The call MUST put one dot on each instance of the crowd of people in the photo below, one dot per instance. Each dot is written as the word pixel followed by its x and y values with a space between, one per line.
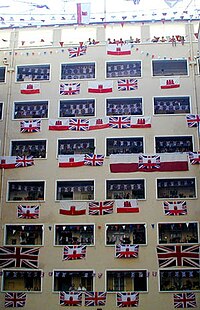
pixel 174 39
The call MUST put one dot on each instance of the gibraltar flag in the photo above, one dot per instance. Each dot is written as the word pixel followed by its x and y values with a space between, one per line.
pixel 120 163
pixel 73 208
pixel 66 161
pixel 83 13
pixel 100 87
pixel 7 162
pixel 127 206
pixel 119 49
pixel 141 122
pixel 30 88
pixel 170 82
pixel 99 123
pixel 58 124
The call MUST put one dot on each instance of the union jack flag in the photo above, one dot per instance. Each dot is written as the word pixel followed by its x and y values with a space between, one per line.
pixel 193 120
pixel 70 298
pixel 70 89
pixel 77 51
pixel 127 299
pixel 126 250
pixel 127 84
pixel 28 212
pixel 194 157
pixel 15 300
pixel 95 298
pixel 94 160
pixel 30 126
pixel 24 161
pixel 73 252
pixel 178 255
pixel 185 300
pixel 78 124
pixel 101 207
pixel 175 207
pixel 149 162
pixel 18 257
pixel 120 122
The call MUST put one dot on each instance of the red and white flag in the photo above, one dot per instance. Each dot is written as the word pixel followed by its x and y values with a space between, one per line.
pixel 58 124
pixel 127 206
pixel 74 252
pixel 9 162
pixel 127 299
pixel 169 83
pixel 100 87
pixel 119 49
pixel 30 88
pixel 73 208
pixel 28 212
pixel 175 207
pixel 140 121
pixel 67 161
pixel 99 123
pixel 83 13
pixel 126 250
pixel 70 298
pixel 30 126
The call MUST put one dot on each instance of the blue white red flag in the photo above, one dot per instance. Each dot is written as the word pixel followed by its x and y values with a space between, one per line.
pixel 127 84
pixel 175 207
pixel 28 212
pixel 126 250
pixel 74 252
pixel 77 51
pixel 149 162
pixel 120 122
pixel 95 298
pixel 30 126
pixel 70 89
pixel 194 158
pixel 101 207
pixel 78 124
pixel 70 298
pixel 127 299
pixel 193 120
pixel 15 300
pixel 9 162
pixel 185 300
pixel 93 160
pixel 24 161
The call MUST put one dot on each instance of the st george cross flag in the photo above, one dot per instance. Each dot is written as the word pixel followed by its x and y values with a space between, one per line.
pixel 99 123
pixel 100 87
pixel 30 126
pixel 78 124
pixel 77 51
pixel 95 298
pixel 69 89
pixel 140 121
pixel 127 206
pixel 70 298
pixel 83 13
pixel 193 120
pixel 30 88
pixel 126 250
pixel 10 162
pixel 101 207
pixel 74 252
pixel 15 300
pixel 175 207
pixel 68 161
pixel 119 49
pixel 194 158
pixel 169 83
pixel 11 256
pixel 127 84
pixel 120 122
pixel 58 124
pixel 120 163
pixel 24 161
pixel 73 207
pixel 178 255
pixel 127 299
pixel 185 300
pixel 28 212
pixel 93 160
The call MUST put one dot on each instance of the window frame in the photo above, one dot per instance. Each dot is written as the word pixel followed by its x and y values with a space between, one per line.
pixel 171 75
pixel 124 179
pixel 72 180
pixel 79 116
pixel 25 181
pixel 174 136
pixel 2 110
pixel 125 137
pixel 29 140
pixel 29 66
pixel 47 101
pixel 23 224
pixel 124 98
pixel 5 69
pixel 77 63
pixel 121 62
pixel 175 114
pixel 78 139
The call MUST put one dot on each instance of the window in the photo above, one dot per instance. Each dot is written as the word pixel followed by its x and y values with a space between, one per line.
pixel 74 108
pixel 171 105
pixel 125 189
pixel 26 190
pixel 2 74
pixel 78 71
pixel 75 190
pixel 82 234
pixel 176 188
pixel 124 106
pixel 169 67
pixel 123 69
pixel 63 279
pixel 126 233
pixel 75 146
pixel 174 144
pixel 126 280
pixel 35 148
pixel 124 145
pixel 30 109
pixel 33 73
pixel 22 280
pixel 24 234
pixel 178 232
pixel 1 110
pixel 179 280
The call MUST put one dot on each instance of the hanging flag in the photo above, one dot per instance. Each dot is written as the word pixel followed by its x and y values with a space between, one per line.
pixel 10 162
pixel 101 207
pixel 69 89
pixel 73 208
pixel 119 49
pixel 178 255
pixel 99 123
pixel 67 161
pixel 18 257
pixel 15 300
pixel 28 212
pixel 30 126
pixel 175 207
pixel 93 160
pixel 193 120
pixel 83 13
pixel 127 206
pixel 185 300
pixel 74 252
pixel 126 250
pixel 77 51
pixel 30 88
pixel 95 298
pixel 127 299
pixel 194 158
pixel 24 161
pixel 70 298
pixel 78 124
pixel 169 83
pixel 172 3
pixel 127 84
pixel 55 124
pixel 100 87
pixel 120 163
pixel 120 122
pixel 140 121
